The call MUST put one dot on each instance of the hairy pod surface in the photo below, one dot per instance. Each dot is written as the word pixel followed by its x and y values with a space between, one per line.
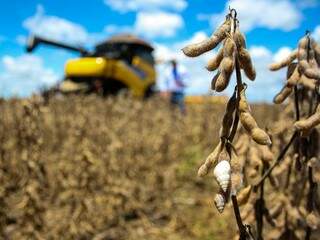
pixel 316 48
pixel 294 78
pixel 236 172
pixel 214 62
pixel 243 103
pixel 282 95
pixel 291 68
pixel 224 75
pixel 236 182
pixel 253 173
pixel 313 220
pixel 247 211
pixel 226 66
pixel 246 64
pixel 247 121
pixel 244 195
pixel 239 39
pixel 211 160
pixel 305 54
pixel 273 181
pixel 267 155
pixel 250 124
pixel 194 50
pixel 285 62
pixel 260 136
pixel 214 80
pixel 310 122
pixel 276 210
pixel 236 163
pixel 244 55
pixel 313 73
pixel 308 82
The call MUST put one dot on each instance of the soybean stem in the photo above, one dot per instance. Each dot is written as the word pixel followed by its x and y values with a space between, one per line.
pixel 241 227
pixel 239 89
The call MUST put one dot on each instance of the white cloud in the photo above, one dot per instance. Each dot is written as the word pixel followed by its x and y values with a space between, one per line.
pixel 267 83
pixel 158 24
pixel 55 28
pixel 316 33
pixel 124 6
pixel 282 53
pixel 150 25
pixel 24 74
pixel 259 52
pixel 271 14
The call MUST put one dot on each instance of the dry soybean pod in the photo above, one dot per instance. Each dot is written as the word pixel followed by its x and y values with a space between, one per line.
pixel 282 95
pixel 267 155
pixel 214 80
pixel 291 68
pixel 194 50
pixel 211 160
pixel 244 56
pixel 316 48
pixel 313 71
pixel 294 78
pixel 309 123
pixel 313 220
pixel 226 66
pixel 285 62
pixel 276 210
pixel 250 124
pixel 228 116
pixel 214 62
pixel 305 54
pixel 236 171
pixel 246 64
pixel 244 195
pixel 260 136
pixel 308 82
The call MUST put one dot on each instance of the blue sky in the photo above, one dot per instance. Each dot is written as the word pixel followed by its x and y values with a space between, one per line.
pixel 272 28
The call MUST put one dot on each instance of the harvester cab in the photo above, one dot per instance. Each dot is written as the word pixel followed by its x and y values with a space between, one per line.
pixel 122 62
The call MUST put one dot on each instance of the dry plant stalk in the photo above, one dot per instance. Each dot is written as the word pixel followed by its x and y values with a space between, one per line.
pixel 227 164
pixel 294 201
pixel 279 190
pixel 77 168
pixel 304 72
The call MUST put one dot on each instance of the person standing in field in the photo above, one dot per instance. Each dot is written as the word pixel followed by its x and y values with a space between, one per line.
pixel 175 84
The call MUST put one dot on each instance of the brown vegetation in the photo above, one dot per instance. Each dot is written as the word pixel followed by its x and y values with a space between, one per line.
pixel 92 168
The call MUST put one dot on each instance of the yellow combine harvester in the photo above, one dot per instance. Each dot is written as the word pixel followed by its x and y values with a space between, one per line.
pixel 123 62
